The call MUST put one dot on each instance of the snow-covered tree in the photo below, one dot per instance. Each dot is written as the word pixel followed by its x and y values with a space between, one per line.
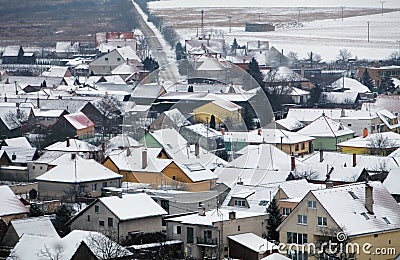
pixel 275 219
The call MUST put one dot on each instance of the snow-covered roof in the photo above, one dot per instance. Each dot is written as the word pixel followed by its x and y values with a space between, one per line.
pixel 282 74
pixel 263 156
pixel 67 245
pixel 392 181
pixel 338 97
pixel 77 170
pixel 21 155
pixel 349 85
pixel 67 47
pixel 148 91
pixel 79 120
pixel 276 256
pixel 70 105
pixel 177 117
pixel 253 242
pixel 9 203
pixel 56 71
pixel 390 140
pixel 213 216
pixel 279 136
pixel 40 226
pixel 75 145
pixel 290 123
pixel 133 206
pixel 387 118
pixel 230 176
pixel 204 131
pixel 18 142
pixel 325 127
pixel 225 103
pixel 211 64
pixel 127 69
pixel 349 214
pixel 120 141
pixel 197 172
pixel 11 51
pixel 8 115
pixel 127 53
pixel 56 113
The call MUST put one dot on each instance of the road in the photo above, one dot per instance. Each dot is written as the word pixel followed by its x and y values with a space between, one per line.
pixel 168 70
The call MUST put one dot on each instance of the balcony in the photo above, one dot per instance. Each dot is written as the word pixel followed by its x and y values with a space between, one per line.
pixel 207 241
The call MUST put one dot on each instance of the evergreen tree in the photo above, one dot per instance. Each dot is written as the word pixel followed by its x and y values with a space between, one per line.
pixel 387 85
pixel 234 46
pixel 63 214
pixel 247 118
pixel 212 122
pixel 35 211
pixel 254 71
pixel 367 81
pixel 150 64
pixel 179 51
pixel 275 219
pixel 44 85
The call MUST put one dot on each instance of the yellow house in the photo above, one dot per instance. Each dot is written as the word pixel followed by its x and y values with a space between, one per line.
pixel 221 109
pixel 378 144
pixel 152 166
pixel 362 218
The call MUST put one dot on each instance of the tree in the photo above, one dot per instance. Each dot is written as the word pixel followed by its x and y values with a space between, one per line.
pixel 315 94
pixel 179 51
pixel 380 145
pixel 63 214
pixel 52 253
pixel 105 247
pixel 293 55
pixel 212 122
pixel 255 72
pixel 387 85
pixel 275 219
pixel 234 46
pixel 110 110
pixel 313 58
pixel 36 211
pixel 344 55
pixel 247 118
pixel 367 81
pixel 150 64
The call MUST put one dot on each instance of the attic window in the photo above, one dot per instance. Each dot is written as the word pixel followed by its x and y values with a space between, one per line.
pixel 365 215
pixel 263 203
pixel 386 220
pixel 353 195
pixel 194 167
pixel 169 146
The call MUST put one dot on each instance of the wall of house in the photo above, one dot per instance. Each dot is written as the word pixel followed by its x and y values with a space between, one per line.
pixel 356 150
pixel 202 113
pixel 329 143
pixel 106 63
pixel 85 133
pixel 8 218
pixel 11 237
pixel 358 124
pixel 239 251
pixel 291 148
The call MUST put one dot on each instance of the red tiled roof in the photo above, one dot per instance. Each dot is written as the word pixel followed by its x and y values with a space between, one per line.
pixel 79 120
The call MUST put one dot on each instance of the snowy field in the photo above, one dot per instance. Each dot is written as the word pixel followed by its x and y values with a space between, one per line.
pixel 325 37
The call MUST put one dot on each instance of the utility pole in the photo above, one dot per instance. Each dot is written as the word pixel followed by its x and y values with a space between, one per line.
pixel 202 23
pixel 230 20
pixel 342 7
pixel 368 30
pixel 298 17
pixel 382 2
pixel 398 54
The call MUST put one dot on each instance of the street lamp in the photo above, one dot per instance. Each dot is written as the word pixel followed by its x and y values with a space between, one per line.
pixel 342 7
pixel 368 30
pixel 230 19
pixel 382 5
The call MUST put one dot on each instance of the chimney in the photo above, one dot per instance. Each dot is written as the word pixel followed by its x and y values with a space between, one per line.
pixel 196 149
pixel 232 215
pixel 202 210
pixel 144 159
pixel 13 156
pixel 354 160
pixel 369 198
pixel 302 71
pixel 68 142
pixel 5 98
pixel 223 131
pixel 365 132
pixel 259 131
pixel 321 156
pixel 127 61
pixel 329 184
pixel 103 147
pixel 342 113
pixel 292 163
pixel 73 156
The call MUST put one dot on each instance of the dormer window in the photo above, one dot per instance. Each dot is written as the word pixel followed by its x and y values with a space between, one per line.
pixel 386 220
pixel 240 203
pixel 353 195
pixel 365 215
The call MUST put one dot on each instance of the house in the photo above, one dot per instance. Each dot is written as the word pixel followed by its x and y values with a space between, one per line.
pixel 75 177
pixel 378 143
pixel 283 76
pixel 209 68
pixel 224 112
pixel 390 121
pixel 15 119
pixel 48 117
pixel 119 142
pixel 216 47
pixel 121 216
pixel 378 74
pixel 147 166
pixel 67 49
pixel 339 99
pixel 205 234
pixel 10 207
pixel 57 72
pixel 76 245
pixel 347 85
pixel 74 125
pixel 327 133
pixel 39 226
pixel 289 124
pixel 170 119
pixel 13 54
pixel 367 214
pixel 202 135
pixel 146 94
pixel 108 62
pixel 249 246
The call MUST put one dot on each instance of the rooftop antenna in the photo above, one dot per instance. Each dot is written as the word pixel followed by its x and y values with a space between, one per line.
pixel 202 23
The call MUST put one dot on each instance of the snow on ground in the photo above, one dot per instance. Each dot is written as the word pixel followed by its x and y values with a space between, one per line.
pixel 272 3
pixel 325 37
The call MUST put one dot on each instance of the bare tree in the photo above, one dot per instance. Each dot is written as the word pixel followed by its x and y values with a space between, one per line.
pixel 380 145
pixel 344 55
pixel 293 55
pixel 51 253
pixel 110 110
pixel 305 174
pixel 104 247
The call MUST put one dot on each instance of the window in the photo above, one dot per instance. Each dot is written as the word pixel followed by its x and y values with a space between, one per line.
pixel 353 195
pixel 118 59
pixel 207 234
pixel 106 59
pixel 94 186
pixel 322 221
pixel 303 146
pixel 365 215
pixel 33 167
pixel 174 177
pixel 177 229
pixel 296 238
pixel 238 228
pixel 165 205
pixel 296 147
pixel 312 204
pixel 88 218
pixel 104 184
pixel 386 220
pixel 96 209
pixel 240 203
pixel 189 235
pixel 101 223
pixel 302 219
pixel 110 222
pixel 286 211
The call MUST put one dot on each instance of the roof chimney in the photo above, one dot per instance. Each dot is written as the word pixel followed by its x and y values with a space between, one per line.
pixel 329 184
pixel 232 215
pixel 321 155
pixel 342 113
pixel 369 198
pixel 73 156
pixel 68 142
pixel 144 159
pixel 365 132
pixel 127 61
pixel 292 163
pixel 259 131
pixel 202 210
pixel 196 149
pixel 354 160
